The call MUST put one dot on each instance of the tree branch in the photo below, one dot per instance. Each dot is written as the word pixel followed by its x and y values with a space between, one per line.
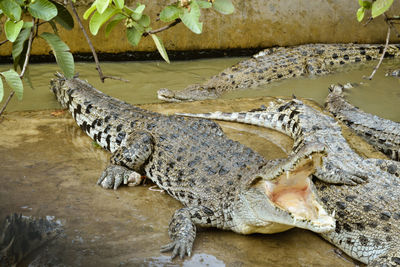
pixel 383 55
pixel 21 75
pixel 96 59
pixel 8 100
pixel 28 52
pixel 177 21
pixel 3 42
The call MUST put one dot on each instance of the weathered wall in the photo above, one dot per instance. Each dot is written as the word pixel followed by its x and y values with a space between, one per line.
pixel 255 23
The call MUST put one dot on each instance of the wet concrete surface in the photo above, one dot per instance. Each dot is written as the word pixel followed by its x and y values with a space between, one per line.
pixel 50 167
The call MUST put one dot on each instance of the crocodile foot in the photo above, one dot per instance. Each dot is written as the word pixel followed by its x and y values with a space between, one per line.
pixel 182 231
pixel 113 176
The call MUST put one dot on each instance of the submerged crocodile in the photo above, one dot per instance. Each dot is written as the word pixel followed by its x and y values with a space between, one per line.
pixel 20 235
pixel 367 215
pixel 382 134
pixel 220 182
pixel 280 63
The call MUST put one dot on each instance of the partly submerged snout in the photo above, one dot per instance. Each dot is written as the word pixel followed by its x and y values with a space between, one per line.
pixel 193 92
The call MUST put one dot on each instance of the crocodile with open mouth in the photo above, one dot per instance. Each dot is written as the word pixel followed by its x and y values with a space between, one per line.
pixel 275 64
pixel 367 215
pixel 382 134
pixel 220 182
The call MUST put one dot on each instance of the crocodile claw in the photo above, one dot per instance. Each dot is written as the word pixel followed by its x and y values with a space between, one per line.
pixel 113 176
pixel 178 247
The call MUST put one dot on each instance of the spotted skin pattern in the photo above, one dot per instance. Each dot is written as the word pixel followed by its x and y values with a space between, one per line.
pixel 275 64
pixel 367 215
pixel 191 159
pixel 382 134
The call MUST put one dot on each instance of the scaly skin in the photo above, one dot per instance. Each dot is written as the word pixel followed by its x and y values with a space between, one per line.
pixel 221 183
pixel 276 64
pixel 367 215
pixel 20 235
pixel 382 134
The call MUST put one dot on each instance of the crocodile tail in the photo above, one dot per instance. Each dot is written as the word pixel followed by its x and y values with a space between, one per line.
pixel 283 117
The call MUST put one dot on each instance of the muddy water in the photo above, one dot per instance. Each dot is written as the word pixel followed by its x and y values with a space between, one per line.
pixel 49 167
pixel 379 96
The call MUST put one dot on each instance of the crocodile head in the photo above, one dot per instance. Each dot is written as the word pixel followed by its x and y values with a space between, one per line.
pixel 334 100
pixel 193 92
pixel 283 197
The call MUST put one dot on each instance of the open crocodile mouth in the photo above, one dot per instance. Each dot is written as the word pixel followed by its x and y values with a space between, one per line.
pixel 293 192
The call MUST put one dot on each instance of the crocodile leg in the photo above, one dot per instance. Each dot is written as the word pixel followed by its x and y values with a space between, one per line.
pixel 182 229
pixel 127 161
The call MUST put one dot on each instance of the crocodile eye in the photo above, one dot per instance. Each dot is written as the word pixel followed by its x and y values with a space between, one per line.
pixel 255 181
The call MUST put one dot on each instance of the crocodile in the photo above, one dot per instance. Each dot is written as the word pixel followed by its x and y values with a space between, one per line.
pixel 221 183
pixel 20 235
pixel 382 134
pixel 278 63
pixel 367 215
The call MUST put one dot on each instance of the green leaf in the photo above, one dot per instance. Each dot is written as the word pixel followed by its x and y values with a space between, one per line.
pixel 139 9
pixel 170 13
pixel 1 90
pixel 53 26
pixel 64 18
pixel 128 10
pixel 98 19
pixel 119 3
pixel 64 58
pixel 160 47
pixel 11 9
pixel 42 9
pixel 365 4
pixel 191 19
pixel 15 83
pixel 204 4
pixel 380 6
pixel 224 6
pixel 27 24
pixel 102 5
pixel 117 19
pixel 133 36
pixel 137 13
pixel 89 11
pixel 360 14
pixel 12 29
pixel 144 21
pixel 18 45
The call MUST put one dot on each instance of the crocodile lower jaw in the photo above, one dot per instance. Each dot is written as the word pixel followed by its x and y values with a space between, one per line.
pixel 293 191
pixel 293 200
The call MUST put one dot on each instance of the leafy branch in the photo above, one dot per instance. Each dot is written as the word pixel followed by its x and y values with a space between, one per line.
pixel 22 33
pixel 377 8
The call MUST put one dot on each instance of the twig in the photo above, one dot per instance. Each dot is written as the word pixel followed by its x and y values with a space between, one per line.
pixel 368 21
pixel 5 104
pixel 391 24
pixel 162 28
pixel 383 55
pixel 96 59
pixel 115 78
pixel 3 42
pixel 28 52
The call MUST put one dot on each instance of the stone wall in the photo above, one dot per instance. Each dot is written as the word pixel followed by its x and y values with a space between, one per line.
pixel 255 24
